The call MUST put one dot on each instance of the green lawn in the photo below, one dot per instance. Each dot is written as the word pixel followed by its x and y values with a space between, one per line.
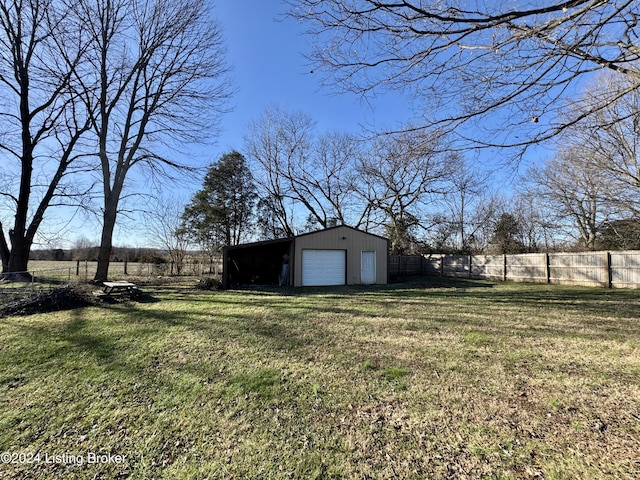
pixel 432 379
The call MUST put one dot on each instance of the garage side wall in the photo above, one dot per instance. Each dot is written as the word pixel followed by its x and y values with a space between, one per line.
pixel 343 238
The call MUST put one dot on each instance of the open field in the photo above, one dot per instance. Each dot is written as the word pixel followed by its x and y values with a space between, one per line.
pixel 431 379
pixel 47 274
pixel 69 271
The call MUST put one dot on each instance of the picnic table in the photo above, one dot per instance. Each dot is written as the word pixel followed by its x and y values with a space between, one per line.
pixel 118 289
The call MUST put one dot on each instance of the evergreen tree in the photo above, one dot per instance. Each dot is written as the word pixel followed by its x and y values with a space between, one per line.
pixel 506 235
pixel 221 213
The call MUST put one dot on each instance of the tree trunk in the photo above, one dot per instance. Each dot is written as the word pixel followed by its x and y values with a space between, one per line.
pixel 106 239
pixel 20 240
pixel 4 251
pixel 19 258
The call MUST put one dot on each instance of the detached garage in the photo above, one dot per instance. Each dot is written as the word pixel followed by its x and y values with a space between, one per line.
pixel 335 256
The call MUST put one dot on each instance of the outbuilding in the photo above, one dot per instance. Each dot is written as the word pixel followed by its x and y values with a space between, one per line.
pixel 339 255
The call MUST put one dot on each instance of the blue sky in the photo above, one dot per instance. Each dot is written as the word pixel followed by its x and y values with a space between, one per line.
pixel 266 50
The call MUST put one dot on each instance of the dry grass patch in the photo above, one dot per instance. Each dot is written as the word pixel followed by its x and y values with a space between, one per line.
pixel 457 380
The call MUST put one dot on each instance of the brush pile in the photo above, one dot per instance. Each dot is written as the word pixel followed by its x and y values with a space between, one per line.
pixel 63 298
pixel 209 283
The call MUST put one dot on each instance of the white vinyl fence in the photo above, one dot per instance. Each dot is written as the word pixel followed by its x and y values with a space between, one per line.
pixel 611 269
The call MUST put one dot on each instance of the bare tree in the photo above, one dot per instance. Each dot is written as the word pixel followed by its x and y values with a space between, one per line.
pixel 275 142
pixel 165 230
pixel 84 249
pixel 382 183
pixel 156 78
pixel 300 172
pixel 501 68
pixel 444 235
pixel 538 229
pixel 398 177
pixel 41 119
pixel 572 189
pixel 327 180
pixel 610 140
pixel 461 218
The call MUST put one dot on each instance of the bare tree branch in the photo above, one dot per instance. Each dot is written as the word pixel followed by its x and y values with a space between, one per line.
pixel 497 73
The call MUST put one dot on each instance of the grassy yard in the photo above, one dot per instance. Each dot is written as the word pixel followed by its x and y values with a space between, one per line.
pixel 453 379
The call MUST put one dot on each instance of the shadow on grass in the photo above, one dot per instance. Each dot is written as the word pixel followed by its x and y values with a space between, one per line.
pixel 280 317
pixel 295 321
pixel 147 298
pixel 160 343
pixel 80 336
pixel 144 298
pixel 55 343
pixel 413 285
pixel 593 312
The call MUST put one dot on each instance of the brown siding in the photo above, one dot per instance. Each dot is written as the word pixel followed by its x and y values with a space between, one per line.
pixel 343 238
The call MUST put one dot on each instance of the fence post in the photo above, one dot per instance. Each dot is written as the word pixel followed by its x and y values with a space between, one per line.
pixel 504 267
pixel 442 257
pixel 470 266
pixel 548 266
pixel 609 270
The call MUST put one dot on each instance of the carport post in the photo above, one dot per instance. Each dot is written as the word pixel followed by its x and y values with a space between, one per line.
pixel 225 272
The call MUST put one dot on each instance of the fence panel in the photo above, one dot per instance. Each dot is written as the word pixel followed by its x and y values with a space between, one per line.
pixel 490 267
pixel 625 269
pixel 432 264
pixel 405 265
pixel 527 267
pixel 456 265
pixel 582 268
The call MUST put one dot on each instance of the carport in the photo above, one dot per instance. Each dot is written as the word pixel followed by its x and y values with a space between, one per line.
pixel 259 263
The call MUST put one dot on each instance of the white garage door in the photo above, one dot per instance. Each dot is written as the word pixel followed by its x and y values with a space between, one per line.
pixel 324 267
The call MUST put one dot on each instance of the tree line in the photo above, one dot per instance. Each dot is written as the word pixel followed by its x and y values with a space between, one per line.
pixel 410 188
pixel 90 254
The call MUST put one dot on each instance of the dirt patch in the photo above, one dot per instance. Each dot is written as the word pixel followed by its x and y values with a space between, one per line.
pixel 64 298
